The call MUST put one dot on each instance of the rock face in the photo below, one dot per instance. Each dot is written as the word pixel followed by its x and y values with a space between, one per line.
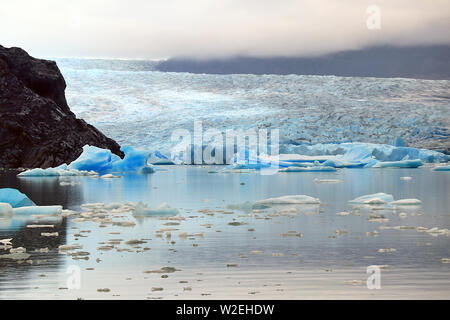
pixel 37 128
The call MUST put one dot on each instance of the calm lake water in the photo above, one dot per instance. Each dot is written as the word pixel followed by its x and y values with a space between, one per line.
pixel 257 259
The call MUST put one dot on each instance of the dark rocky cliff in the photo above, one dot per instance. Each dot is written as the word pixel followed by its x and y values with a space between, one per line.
pixel 37 128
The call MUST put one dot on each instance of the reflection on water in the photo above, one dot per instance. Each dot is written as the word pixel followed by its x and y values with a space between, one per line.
pixel 256 259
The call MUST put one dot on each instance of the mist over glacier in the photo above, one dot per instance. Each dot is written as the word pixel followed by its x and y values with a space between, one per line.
pixel 139 107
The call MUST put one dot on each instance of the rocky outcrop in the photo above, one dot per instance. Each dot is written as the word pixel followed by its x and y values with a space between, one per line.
pixel 37 128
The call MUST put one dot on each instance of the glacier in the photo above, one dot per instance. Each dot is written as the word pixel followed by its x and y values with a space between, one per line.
pixel 139 107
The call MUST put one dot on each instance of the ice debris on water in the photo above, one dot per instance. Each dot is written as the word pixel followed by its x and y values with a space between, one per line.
pixel 289 199
pixel 162 210
pixel 323 157
pixel 378 199
pixel 62 170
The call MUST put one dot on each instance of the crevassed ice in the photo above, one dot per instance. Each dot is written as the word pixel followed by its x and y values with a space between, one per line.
pixel 142 108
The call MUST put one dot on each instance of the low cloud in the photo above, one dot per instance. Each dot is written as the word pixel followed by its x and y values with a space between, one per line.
pixel 205 28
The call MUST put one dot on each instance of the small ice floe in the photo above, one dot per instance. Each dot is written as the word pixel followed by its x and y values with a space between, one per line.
pixel 442 168
pixel 15 256
pixel 49 234
pixel 292 234
pixel 373 199
pixel 291 199
pixel 163 270
pixel 69 183
pixel 236 223
pixel 406 202
pixel 402 215
pixel 355 282
pixel 38 210
pixel 109 176
pixel 68 213
pixel 68 247
pixel 399 164
pixel 372 233
pixel 162 210
pixel 327 180
pixel 436 231
pixel 34 226
pixel 387 250
pixel 308 169
pixel 340 232
pixel 343 213
pixel 5 242
pixel 406 178
pixel 124 223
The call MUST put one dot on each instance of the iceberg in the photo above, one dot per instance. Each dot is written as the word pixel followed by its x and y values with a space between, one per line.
pixel 442 168
pixel 15 198
pixel 399 164
pixel 376 198
pixel 38 210
pixel 164 209
pixel 94 161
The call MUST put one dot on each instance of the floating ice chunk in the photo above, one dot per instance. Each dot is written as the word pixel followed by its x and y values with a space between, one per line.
pixel 104 161
pixel 290 199
pixel 15 198
pixel 38 210
pixel 376 198
pixel 406 178
pixel 162 210
pixel 308 169
pixel 109 176
pixel 399 164
pixel 327 181
pixel 407 202
pixel 15 256
pixel 6 242
pixel 62 170
pixel 5 209
pixel 442 168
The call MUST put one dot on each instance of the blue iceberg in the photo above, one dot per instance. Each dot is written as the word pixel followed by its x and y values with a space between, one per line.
pixel 15 198
pixel 376 198
pixel 399 164
pixel 442 168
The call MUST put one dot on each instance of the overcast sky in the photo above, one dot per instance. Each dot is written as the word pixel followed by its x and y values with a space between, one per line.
pixel 215 28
